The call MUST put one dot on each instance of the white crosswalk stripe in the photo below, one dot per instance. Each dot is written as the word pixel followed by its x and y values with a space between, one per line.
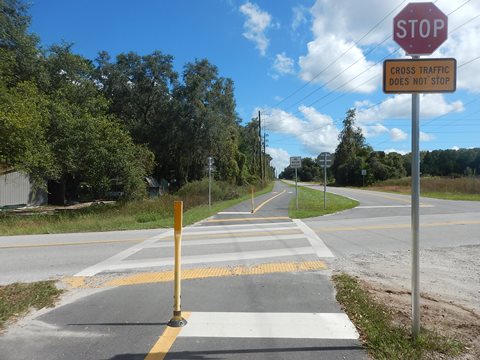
pixel 286 239
pixel 270 325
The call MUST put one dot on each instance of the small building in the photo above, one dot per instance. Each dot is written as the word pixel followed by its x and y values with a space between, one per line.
pixel 153 187
pixel 17 190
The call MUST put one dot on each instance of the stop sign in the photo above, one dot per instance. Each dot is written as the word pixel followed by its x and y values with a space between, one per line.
pixel 420 28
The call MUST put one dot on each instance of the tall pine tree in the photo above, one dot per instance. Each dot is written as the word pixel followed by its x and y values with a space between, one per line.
pixel 350 153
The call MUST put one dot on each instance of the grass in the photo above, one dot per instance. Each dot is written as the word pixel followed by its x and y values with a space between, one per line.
pixel 310 204
pixel 465 188
pixel 16 299
pixel 145 214
pixel 379 333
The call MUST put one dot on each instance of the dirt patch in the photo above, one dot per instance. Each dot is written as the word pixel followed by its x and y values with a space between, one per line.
pixel 450 289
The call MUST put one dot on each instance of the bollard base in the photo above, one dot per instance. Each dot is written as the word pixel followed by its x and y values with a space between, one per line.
pixel 177 322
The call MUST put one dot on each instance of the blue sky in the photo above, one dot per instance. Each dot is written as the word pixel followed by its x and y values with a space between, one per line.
pixel 302 63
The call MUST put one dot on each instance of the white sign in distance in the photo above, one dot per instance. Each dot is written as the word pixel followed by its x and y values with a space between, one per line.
pixel 364 172
pixel 325 158
pixel 295 162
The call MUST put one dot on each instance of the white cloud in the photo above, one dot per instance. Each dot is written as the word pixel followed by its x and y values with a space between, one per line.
pixel 352 19
pixel 398 134
pixel 315 131
pixel 400 107
pixel 462 42
pixel 299 16
pixel 402 152
pixel 374 130
pixel 455 148
pixel 343 32
pixel 333 59
pixel 256 24
pixel 282 65
pixel 280 158
pixel 342 70
pixel 426 137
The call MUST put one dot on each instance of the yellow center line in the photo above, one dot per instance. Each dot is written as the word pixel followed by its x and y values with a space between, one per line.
pixel 391 198
pixel 268 200
pixel 250 219
pixel 164 343
pixel 19 246
pixel 396 226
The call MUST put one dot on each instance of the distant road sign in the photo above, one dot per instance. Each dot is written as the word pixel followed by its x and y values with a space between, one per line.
pixel 296 162
pixel 364 172
pixel 325 159
pixel 420 28
pixel 420 75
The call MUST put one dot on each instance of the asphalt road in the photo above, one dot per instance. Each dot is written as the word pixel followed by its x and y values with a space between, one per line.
pixel 381 223
pixel 26 258
pixel 256 285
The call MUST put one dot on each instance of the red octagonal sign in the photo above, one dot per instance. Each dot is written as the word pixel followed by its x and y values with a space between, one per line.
pixel 420 28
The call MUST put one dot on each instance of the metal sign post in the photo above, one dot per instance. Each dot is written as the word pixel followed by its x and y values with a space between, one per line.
pixel 419 28
pixel 325 162
pixel 296 188
pixel 210 168
pixel 325 184
pixel 296 163
pixel 415 213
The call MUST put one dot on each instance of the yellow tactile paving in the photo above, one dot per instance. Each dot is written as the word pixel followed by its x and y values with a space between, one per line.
pixel 203 273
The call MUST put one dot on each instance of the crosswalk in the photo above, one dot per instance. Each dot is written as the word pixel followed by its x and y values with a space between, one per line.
pixel 238 244
pixel 287 307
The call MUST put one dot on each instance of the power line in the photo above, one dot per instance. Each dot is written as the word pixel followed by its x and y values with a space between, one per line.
pixel 341 55
pixel 436 118
pixel 458 8
pixel 340 73
pixel 368 80
pixel 346 83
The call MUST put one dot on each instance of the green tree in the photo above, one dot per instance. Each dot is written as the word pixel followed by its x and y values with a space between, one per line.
pixel 19 56
pixel 350 153
pixel 381 166
pixel 249 145
pixel 209 124
pixel 88 145
pixel 23 120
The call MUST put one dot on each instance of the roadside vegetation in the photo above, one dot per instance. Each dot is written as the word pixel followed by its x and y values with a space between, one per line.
pixel 310 204
pixel 89 128
pixel 383 336
pixel 462 188
pixel 16 299
pixel 447 174
pixel 140 214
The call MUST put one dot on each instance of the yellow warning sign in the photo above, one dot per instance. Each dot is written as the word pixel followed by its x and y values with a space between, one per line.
pixel 420 75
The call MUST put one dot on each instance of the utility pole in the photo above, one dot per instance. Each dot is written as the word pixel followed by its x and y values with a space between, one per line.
pixel 264 155
pixel 260 142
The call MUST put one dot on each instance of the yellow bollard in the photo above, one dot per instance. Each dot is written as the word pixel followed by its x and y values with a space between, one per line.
pixel 177 320
pixel 253 202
